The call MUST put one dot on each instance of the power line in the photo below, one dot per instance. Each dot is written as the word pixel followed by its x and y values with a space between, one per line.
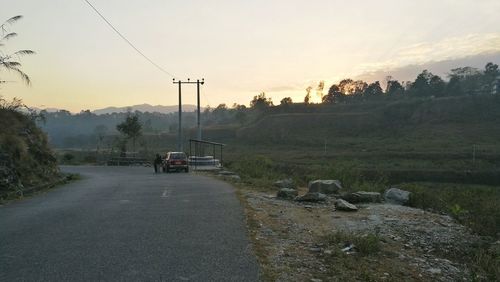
pixel 128 41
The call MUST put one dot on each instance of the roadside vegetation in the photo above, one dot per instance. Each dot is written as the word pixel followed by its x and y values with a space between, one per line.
pixel 27 162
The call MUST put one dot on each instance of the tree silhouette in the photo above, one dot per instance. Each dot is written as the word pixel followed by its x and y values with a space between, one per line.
pixel 131 128
pixel 319 89
pixel 10 62
pixel 334 95
pixel 394 88
pixel 373 91
pixel 100 132
pixel 286 101
pixel 260 102
pixel 307 98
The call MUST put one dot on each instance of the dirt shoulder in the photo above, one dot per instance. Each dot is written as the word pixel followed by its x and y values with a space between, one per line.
pixel 380 242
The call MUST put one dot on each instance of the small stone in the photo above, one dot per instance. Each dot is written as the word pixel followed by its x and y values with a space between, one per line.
pixel 344 205
pixel 397 196
pixel 288 194
pixel 285 183
pixel 434 270
pixel 325 186
pixel 363 197
pixel 312 197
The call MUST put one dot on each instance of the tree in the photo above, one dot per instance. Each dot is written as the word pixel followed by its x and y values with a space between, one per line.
pixel 131 128
pixel 464 81
pixel 437 86
pixel 319 89
pixel 8 61
pixel 373 90
pixel 286 101
pixel 420 87
pixel 307 98
pixel 100 132
pixel 352 90
pixel 334 95
pixel 491 69
pixel 220 113
pixel 491 74
pixel 394 88
pixel 428 84
pixel 260 102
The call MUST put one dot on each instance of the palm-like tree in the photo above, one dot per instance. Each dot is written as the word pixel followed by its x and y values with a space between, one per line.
pixel 11 62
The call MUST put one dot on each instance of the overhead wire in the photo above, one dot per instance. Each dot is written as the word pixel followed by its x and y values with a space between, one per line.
pixel 128 41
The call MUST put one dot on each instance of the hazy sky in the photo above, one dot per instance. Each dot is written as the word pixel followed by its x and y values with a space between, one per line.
pixel 240 47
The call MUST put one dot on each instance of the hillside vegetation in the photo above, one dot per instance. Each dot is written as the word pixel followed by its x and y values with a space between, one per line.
pixel 463 119
pixel 26 161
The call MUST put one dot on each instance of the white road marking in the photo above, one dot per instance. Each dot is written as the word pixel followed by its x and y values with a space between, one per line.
pixel 166 193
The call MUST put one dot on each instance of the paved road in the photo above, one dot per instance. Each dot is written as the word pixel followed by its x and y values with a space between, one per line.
pixel 127 224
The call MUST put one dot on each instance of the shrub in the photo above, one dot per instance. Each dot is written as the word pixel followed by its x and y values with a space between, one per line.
pixel 365 244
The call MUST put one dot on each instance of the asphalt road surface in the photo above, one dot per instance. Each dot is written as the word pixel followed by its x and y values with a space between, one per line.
pixel 127 224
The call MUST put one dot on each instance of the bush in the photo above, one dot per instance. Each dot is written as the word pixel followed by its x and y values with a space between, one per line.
pixel 365 244
pixel 68 157
pixel 475 206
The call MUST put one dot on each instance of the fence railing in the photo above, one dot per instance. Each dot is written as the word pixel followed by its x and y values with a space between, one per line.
pixel 127 161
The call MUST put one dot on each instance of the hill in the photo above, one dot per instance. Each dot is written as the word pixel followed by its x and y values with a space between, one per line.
pixel 145 108
pixel 459 120
pixel 416 139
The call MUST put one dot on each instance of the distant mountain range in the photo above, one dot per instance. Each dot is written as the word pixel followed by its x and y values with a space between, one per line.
pixel 141 108
pixel 145 108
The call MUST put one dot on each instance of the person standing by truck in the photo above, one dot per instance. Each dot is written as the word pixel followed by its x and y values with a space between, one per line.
pixel 157 162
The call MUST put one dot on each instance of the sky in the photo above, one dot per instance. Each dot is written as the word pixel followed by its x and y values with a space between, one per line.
pixel 240 48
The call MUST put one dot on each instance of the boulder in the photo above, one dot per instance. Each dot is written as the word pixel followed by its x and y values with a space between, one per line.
pixel 312 197
pixel 325 186
pixel 343 205
pixel 285 183
pixel 363 197
pixel 397 196
pixel 288 194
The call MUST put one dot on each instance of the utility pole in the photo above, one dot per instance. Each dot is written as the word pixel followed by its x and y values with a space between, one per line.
pixel 473 156
pixel 198 83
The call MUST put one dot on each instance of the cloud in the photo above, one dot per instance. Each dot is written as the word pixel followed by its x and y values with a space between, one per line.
pixel 441 68
pixel 283 88
pixel 447 49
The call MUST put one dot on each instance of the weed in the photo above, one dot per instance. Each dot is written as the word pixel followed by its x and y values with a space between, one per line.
pixel 475 206
pixel 485 265
pixel 365 244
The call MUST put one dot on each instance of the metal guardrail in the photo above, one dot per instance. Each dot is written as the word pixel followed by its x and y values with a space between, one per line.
pixel 127 161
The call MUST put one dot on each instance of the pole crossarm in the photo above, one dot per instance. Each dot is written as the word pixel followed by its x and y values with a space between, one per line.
pixel 190 82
